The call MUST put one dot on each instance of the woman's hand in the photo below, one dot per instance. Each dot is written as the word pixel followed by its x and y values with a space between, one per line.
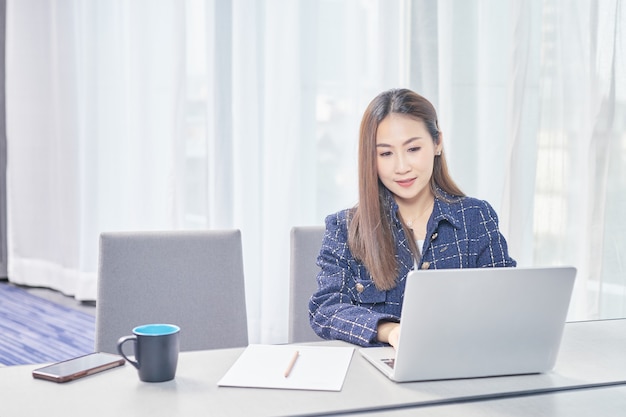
pixel 389 332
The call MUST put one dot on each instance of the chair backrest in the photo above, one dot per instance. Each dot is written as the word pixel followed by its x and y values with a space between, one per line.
pixel 306 242
pixel 193 279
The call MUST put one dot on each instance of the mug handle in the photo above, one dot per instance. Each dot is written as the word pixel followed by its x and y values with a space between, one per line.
pixel 123 340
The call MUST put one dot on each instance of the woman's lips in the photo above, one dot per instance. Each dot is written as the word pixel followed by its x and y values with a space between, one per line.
pixel 405 183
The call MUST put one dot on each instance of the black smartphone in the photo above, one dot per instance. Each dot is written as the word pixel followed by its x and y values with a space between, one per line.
pixel 79 367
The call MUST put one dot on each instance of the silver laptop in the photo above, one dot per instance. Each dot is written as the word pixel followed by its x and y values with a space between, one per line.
pixel 467 323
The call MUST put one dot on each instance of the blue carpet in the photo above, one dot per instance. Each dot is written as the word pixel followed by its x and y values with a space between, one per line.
pixel 34 330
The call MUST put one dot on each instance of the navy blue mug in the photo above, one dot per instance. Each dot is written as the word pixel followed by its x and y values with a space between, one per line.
pixel 156 349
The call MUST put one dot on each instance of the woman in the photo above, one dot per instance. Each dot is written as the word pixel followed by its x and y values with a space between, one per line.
pixel 410 214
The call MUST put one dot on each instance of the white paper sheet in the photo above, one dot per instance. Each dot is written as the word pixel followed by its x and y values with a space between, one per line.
pixel 321 368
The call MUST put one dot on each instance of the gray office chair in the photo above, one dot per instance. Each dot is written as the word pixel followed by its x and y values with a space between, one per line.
pixel 306 242
pixel 193 279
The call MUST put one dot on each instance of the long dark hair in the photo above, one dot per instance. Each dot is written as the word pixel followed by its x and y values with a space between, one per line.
pixel 370 236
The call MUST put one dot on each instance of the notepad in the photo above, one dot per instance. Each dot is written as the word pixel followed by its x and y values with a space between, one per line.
pixel 318 368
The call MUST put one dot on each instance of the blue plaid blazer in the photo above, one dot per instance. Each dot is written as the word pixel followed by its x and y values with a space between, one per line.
pixel 462 232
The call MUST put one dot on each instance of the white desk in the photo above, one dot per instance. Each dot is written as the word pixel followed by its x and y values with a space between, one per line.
pixel 585 402
pixel 592 354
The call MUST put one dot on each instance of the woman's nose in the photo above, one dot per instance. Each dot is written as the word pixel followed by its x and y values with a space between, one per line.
pixel 402 165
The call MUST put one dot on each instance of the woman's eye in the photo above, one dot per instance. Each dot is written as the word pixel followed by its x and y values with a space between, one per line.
pixel 384 153
pixel 415 149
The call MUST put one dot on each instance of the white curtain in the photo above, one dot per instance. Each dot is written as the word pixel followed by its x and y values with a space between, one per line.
pixel 531 94
pixel 94 103
pixel 195 114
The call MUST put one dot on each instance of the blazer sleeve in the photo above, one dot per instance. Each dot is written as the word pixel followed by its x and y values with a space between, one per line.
pixel 337 310
pixel 492 248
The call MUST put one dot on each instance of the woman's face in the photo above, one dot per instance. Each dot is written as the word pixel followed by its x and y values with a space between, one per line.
pixel 405 157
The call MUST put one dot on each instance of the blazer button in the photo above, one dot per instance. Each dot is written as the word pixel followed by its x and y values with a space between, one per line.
pixel 434 236
pixel 359 287
pixel 426 265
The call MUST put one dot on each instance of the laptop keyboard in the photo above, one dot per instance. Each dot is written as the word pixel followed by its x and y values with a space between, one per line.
pixel 389 362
